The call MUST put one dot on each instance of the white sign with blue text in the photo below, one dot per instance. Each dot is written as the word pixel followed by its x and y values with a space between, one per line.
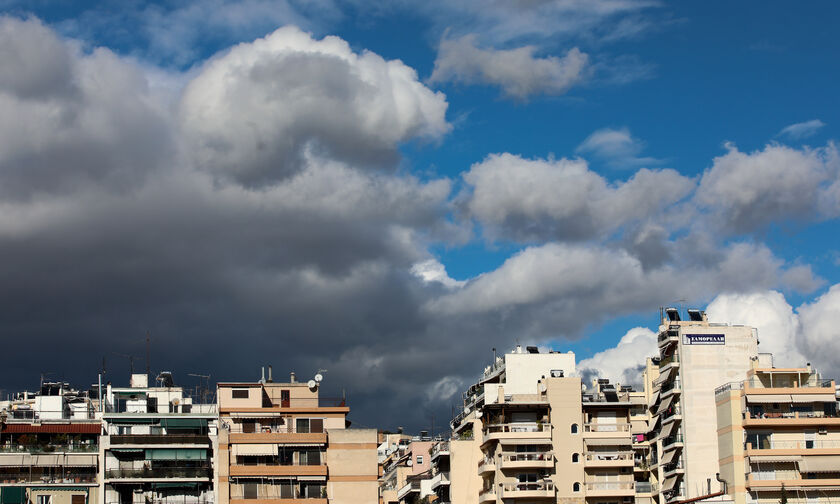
pixel 704 339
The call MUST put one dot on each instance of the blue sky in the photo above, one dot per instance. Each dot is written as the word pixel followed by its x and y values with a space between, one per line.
pixel 515 168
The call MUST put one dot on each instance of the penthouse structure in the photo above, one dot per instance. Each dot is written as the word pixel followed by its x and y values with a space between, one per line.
pixel 283 443
pixel 779 436
pixel 49 447
pixel 695 357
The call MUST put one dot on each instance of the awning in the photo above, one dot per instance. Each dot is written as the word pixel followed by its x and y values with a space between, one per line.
pixel 827 463
pixel 131 420
pixel 15 460
pixel 534 441
pixel 183 484
pixel 52 428
pixel 176 454
pixel 59 489
pixel 46 460
pixel 618 441
pixel 654 399
pixel 80 460
pixel 775 458
pixel 666 431
pixel 663 377
pixel 768 398
pixel 669 484
pixel 668 457
pixel 253 449
pixel 12 495
pixel 812 398
pixel 300 445
pixel 126 450
pixel 183 423
pixel 665 405
pixel 311 478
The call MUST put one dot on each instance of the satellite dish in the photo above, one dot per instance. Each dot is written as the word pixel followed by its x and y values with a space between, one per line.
pixel 312 384
pixel 319 377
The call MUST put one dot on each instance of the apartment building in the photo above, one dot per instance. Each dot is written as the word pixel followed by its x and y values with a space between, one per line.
pixel 514 373
pixel 779 436
pixel 440 472
pixel 49 447
pixel 695 357
pixel 157 446
pixel 283 442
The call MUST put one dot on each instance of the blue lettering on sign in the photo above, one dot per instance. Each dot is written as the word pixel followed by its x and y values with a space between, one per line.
pixel 705 339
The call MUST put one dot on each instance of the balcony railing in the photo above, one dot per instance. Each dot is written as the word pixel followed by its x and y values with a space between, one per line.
pixel 238 428
pixel 529 487
pixel 611 485
pixel 526 456
pixel 671 440
pixel 644 487
pixel 793 445
pixel 608 456
pixel 606 427
pixel 443 446
pixel 84 448
pixel 51 479
pixel 518 427
pixel 147 439
pixel 790 414
pixel 160 472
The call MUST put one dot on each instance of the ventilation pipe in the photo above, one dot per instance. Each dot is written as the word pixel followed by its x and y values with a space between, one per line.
pixel 270 380
pixel 292 377
pixel 723 484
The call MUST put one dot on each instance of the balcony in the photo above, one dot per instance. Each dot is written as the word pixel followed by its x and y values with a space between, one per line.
pixel 791 418
pixel 159 439
pixel 409 488
pixel 672 469
pixel 60 448
pixel 267 470
pixel 486 465
pixel 440 479
pixel 527 460
pixel 672 442
pixel 667 361
pixel 517 431
pixel 610 489
pixel 606 427
pixel 536 490
pixel 440 449
pixel 754 483
pixel 487 495
pixel 182 473
pixel 608 459
pixel 793 448
pixel 645 487
pixel 23 476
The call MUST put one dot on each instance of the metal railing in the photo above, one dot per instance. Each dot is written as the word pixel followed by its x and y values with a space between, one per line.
pixel 793 445
pixel 668 360
pixel 518 427
pixel 160 472
pixel 608 456
pixel 84 448
pixel 443 446
pixel 238 428
pixel 611 485
pixel 143 439
pixel 671 440
pixel 546 486
pixel 51 479
pixel 790 414
pixel 527 456
pixel 607 427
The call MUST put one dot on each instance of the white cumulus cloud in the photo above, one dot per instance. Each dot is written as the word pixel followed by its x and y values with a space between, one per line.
pixel 623 362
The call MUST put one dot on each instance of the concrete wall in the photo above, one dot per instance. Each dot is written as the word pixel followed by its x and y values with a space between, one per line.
pixel 465 484
pixel 353 466
pixel 566 410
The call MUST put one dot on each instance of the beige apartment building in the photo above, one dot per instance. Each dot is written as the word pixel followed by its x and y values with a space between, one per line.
pixel 280 443
pixel 695 357
pixel 779 435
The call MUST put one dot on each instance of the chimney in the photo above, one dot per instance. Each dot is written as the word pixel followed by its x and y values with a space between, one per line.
pixel 270 380
pixel 292 378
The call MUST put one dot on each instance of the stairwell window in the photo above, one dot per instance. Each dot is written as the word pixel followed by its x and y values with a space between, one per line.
pixel 574 428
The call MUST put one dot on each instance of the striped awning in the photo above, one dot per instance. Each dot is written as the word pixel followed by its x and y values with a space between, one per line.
pixel 667 429
pixel 253 450
pixel 812 398
pixel 827 463
pixel 663 377
pixel 617 441
pixel 665 405
pixel 80 460
pixel 14 460
pixel 768 398
pixel 775 458
pixel 669 484
pixel 668 457
pixel 46 460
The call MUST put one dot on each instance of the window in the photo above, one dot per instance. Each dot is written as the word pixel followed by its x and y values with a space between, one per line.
pixel 302 425
pixel 249 426
pixel 310 457
pixel 285 399
pixel 574 428
pixel 316 425
pixel 575 458
pixel 78 499
pixel 45 499
pixel 249 491
pixel 759 440
pixel 239 393
pixel 576 487
pixel 419 459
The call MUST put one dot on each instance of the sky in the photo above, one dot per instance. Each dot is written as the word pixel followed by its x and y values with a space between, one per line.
pixel 389 191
